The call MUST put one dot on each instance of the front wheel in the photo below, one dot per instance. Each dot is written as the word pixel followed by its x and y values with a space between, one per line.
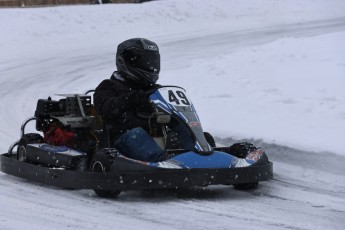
pixel 101 163
pixel 210 140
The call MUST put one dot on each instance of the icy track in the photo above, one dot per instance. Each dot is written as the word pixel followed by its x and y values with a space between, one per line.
pixel 308 195
pixel 253 74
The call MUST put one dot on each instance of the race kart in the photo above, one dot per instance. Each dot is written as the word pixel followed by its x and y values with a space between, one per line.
pixel 85 159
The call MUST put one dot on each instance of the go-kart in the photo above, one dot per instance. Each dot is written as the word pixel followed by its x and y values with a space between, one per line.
pixel 88 161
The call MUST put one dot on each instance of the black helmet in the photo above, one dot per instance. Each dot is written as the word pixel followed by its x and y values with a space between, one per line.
pixel 138 60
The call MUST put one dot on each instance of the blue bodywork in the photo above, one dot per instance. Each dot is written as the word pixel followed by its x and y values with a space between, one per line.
pixel 173 100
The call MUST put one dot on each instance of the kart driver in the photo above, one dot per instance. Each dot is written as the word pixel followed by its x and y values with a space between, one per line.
pixel 120 100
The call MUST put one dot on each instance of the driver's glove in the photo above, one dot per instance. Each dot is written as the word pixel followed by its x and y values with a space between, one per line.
pixel 137 99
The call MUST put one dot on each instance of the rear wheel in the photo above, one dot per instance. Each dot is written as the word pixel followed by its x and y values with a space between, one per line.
pixel 21 153
pixel 101 163
pixel 29 138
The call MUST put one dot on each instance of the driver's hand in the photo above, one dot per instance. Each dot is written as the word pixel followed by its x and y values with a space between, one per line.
pixel 138 98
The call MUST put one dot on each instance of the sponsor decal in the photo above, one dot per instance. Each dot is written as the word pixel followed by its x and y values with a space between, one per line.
pixel 152 47
pixel 255 155
pixel 242 163
pixel 169 165
pixel 54 149
pixel 233 162
pixel 194 124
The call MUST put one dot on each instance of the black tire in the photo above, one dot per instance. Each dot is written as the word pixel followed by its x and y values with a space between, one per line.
pixel 210 139
pixel 29 138
pixel 22 153
pixel 101 163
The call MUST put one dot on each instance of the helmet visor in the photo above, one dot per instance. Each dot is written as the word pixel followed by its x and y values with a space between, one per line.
pixel 148 61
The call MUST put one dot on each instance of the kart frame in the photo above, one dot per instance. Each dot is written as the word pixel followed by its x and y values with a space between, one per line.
pixel 144 177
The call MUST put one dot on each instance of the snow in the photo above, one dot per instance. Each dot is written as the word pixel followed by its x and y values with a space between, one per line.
pixel 271 71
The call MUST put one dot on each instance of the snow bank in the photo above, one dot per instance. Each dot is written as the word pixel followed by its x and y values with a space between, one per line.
pixel 271 70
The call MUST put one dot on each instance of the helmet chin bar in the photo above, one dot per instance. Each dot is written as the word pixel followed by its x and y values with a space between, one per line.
pixel 140 77
pixel 137 76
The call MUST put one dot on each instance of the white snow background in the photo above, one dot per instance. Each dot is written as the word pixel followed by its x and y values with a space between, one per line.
pixel 271 71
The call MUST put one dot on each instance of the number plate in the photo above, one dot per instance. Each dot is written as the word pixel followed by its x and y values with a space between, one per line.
pixel 175 96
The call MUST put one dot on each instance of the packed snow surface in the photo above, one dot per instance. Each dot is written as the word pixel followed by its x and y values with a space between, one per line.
pixel 271 71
